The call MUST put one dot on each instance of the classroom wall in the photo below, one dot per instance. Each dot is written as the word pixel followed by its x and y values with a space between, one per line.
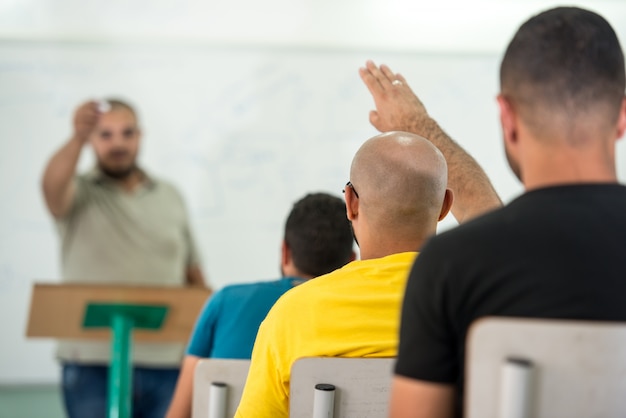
pixel 245 108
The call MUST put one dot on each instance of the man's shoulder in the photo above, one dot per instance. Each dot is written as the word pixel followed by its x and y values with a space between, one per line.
pixel 312 290
pixel 302 296
pixel 518 215
pixel 88 178
pixel 160 182
pixel 470 233
pixel 239 289
pixel 163 189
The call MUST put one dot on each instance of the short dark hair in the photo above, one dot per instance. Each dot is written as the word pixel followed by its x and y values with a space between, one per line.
pixel 319 234
pixel 117 103
pixel 567 58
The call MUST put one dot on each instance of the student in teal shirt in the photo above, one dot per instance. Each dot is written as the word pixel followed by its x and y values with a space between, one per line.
pixel 229 321
pixel 318 239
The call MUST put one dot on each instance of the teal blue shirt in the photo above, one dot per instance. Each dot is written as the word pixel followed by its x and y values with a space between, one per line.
pixel 229 321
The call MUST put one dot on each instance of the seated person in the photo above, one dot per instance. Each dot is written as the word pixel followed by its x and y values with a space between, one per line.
pixel 318 239
pixel 396 195
pixel 556 251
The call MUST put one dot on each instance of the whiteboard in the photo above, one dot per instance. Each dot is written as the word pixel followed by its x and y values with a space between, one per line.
pixel 243 132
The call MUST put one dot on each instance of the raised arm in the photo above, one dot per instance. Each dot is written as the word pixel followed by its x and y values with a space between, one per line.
pixel 399 109
pixel 57 184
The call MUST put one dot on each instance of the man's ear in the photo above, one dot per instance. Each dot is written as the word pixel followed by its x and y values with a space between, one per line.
pixel 285 254
pixel 448 198
pixel 508 120
pixel 621 119
pixel 352 204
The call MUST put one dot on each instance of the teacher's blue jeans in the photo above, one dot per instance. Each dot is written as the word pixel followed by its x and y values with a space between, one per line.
pixel 85 391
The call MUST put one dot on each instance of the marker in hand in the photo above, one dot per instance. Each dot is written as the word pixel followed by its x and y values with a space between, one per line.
pixel 104 106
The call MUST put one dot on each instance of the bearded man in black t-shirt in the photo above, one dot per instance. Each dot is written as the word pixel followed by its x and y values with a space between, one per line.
pixel 555 252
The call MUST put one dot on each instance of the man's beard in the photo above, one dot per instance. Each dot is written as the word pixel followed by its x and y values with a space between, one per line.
pixel 119 173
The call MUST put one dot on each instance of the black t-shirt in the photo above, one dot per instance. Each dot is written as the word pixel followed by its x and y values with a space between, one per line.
pixel 558 252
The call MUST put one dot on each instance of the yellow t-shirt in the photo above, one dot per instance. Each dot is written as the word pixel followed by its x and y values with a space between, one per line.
pixel 351 312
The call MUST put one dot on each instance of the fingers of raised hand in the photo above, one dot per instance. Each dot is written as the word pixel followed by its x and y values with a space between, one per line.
pixel 89 109
pixel 385 79
pixel 374 118
pixel 370 81
pixel 90 113
pixel 85 119
pixel 395 80
pixel 389 76
pixel 381 74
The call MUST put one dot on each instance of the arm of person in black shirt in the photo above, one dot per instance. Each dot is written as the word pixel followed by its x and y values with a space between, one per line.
pixel 412 398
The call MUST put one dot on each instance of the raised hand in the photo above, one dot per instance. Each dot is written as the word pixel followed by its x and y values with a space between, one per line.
pixel 86 119
pixel 397 107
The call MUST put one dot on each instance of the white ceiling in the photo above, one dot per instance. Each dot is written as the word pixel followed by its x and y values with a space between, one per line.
pixel 482 26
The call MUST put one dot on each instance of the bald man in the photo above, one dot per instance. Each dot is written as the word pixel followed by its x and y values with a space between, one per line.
pixel 398 191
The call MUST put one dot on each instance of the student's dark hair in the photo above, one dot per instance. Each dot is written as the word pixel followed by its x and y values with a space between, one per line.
pixel 319 234
pixel 566 58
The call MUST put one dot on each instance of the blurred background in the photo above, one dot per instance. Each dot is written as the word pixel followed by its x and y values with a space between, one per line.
pixel 245 106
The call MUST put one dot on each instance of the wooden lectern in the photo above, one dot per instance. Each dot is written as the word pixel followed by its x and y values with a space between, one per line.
pixel 119 313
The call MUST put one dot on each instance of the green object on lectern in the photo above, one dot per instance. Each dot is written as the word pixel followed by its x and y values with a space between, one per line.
pixel 122 318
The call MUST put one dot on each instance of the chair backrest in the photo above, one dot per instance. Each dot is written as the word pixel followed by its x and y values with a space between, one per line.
pixel 362 386
pixel 231 373
pixel 545 368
